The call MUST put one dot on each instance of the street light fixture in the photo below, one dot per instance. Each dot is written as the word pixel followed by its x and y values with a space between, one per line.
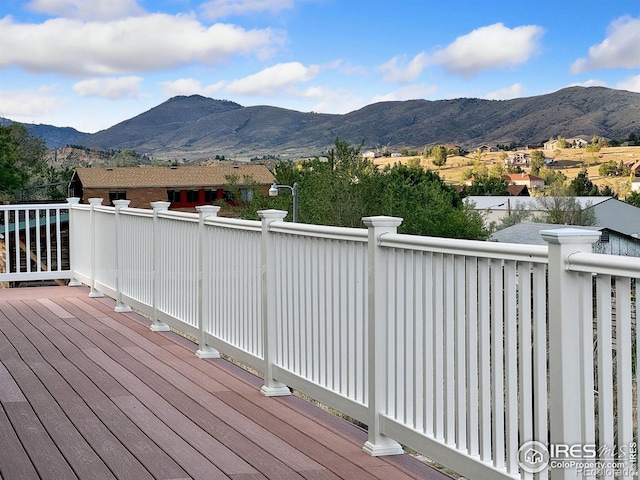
pixel 273 192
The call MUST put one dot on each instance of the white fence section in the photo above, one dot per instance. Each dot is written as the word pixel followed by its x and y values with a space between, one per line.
pixel 488 358
pixel 33 242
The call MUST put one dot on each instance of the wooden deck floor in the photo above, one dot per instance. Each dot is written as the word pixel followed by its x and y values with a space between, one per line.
pixel 92 394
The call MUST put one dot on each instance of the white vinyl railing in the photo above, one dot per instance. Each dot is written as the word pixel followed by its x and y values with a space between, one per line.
pixel 33 242
pixel 499 361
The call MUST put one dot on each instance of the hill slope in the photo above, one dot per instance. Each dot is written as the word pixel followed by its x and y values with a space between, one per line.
pixel 198 127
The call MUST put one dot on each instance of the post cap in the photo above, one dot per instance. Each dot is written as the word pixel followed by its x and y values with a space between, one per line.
pixel 566 236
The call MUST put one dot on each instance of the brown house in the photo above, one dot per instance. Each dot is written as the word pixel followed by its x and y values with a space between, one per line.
pixel 184 187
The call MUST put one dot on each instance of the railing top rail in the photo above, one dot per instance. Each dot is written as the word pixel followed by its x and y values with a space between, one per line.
pixel 104 208
pixel 137 212
pixel 34 206
pixel 604 264
pixel 473 248
pixel 320 231
pixel 235 223
pixel 177 215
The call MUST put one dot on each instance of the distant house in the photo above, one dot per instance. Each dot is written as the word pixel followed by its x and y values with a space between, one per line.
pixel 609 212
pixel 580 141
pixel 531 181
pixel 521 158
pixel 184 187
pixel 486 149
pixel 634 167
pixel 611 241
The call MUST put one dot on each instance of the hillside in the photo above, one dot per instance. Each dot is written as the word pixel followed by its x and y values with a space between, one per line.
pixel 196 127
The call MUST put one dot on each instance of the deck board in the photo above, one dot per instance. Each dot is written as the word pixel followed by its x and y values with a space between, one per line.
pixel 89 393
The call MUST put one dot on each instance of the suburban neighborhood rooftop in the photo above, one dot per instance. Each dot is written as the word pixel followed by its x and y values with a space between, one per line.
pixel 190 176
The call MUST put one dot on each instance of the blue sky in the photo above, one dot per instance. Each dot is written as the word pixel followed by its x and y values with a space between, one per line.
pixel 90 64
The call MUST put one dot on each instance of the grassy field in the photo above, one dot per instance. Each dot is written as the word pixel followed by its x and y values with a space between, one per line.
pixel 570 161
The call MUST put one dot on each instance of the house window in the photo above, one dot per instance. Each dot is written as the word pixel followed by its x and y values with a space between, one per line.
pixel 173 196
pixel 210 196
pixel 117 195
pixel 604 237
pixel 193 196
pixel 246 194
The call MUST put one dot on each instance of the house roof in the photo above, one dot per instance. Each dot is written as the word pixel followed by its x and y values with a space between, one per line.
pixel 196 176
pixel 518 190
pixel 529 233
pixel 505 202
pixel 512 177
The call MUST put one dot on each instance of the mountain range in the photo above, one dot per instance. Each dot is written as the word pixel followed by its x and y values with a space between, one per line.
pixel 197 127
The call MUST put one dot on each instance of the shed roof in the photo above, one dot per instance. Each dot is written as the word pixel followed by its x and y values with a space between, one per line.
pixel 196 176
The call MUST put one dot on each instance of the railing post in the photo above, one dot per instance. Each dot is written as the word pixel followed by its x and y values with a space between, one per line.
pixel 120 307
pixel 204 350
pixel 156 324
pixel 93 203
pixel 271 387
pixel 564 340
pixel 378 327
pixel 73 282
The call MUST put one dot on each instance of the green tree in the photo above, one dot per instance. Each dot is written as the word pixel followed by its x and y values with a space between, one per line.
pixel 633 199
pixel 439 154
pixel 608 169
pixel 564 210
pixel 487 186
pixel 537 161
pixel 346 188
pixel 520 213
pixel 427 205
pixel 552 178
pixel 582 186
pixel 21 159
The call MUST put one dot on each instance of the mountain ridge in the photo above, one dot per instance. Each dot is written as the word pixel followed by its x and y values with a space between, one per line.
pixel 198 127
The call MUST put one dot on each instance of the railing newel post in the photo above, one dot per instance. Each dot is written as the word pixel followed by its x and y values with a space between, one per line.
pixel 204 350
pixel 93 203
pixel 271 387
pixel 156 324
pixel 73 282
pixel 377 443
pixel 565 403
pixel 120 307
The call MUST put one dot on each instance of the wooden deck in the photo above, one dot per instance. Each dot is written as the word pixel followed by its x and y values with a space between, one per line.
pixel 92 394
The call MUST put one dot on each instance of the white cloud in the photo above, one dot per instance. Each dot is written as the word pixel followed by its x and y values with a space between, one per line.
pixel 30 104
pixel 631 84
pixel 621 48
pixel 110 88
pixel 590 83
pixel 327 100
pixel 407 93
pixel 225 8
pixel 488 48
pixel 347 68
pixel 398 70
pixel 189 86
pixel 87 9
pixel 271 79
pixel 514 91
pixel 135 44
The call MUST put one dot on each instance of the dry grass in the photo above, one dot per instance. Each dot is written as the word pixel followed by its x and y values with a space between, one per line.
pixel 570 161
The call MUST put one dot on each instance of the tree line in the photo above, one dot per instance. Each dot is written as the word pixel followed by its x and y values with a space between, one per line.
pixel 24 172
pixel 345 187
